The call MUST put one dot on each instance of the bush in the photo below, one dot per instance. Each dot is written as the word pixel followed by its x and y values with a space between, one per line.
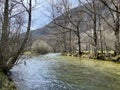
pixel 41 47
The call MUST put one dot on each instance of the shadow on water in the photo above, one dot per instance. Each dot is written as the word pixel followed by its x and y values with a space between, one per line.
pixel 55 72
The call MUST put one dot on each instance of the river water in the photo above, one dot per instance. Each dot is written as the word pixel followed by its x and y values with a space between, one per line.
pixel 55 72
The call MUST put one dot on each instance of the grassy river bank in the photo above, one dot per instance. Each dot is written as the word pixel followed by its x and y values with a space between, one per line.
pixel 5 83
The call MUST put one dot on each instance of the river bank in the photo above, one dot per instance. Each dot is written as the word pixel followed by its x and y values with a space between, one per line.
pixel 5 83
pixel 105 56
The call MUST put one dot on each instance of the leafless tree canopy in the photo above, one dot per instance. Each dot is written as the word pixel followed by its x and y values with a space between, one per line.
pixel 12 21
pixel 93 19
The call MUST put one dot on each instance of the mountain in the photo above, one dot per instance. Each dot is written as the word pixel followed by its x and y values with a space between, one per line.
pixel 51 27
pixel 47 32
pixel 36 34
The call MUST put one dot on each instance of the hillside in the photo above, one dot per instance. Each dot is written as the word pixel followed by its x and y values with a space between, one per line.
pixel 47 32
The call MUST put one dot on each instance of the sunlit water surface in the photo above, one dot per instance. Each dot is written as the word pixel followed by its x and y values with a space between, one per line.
pixel 55 72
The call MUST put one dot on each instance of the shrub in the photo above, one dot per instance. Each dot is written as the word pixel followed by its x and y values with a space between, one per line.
pixel 41 47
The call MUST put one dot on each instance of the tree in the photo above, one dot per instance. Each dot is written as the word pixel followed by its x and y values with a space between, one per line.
pixel 91 11
pixel 114 10
pixel 41 47
pixel 68 22
pixel 7 59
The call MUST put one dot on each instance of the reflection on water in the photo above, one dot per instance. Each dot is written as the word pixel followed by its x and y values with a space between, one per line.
pixel 53 72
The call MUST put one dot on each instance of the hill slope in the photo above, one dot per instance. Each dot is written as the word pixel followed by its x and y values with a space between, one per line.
pixel 46 33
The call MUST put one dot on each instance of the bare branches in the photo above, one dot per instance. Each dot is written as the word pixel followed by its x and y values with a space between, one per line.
pixel 11 45
pixel 107 5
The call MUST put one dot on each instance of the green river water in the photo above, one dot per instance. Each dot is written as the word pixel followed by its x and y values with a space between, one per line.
pixel 55 72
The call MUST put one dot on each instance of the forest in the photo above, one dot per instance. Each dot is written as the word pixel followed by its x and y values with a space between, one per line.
pixel 91 27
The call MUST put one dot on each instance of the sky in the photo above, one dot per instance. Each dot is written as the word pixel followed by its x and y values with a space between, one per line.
pixel 41 14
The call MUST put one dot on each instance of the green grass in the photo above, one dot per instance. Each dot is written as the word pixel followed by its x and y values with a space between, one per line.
pixel 5 84
pixel 89 73
pixel 29 53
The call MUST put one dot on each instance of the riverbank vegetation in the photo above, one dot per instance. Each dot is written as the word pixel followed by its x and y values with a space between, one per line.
pixel 40 47
pixel 88 74
pixel 11 24
pixel 6 83
pixel 109 56
pixel 93 26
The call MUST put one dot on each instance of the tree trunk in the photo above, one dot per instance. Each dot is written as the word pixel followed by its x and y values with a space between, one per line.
pixel 4 37
pixel 79 42
pixel 89 46
pixel 70 42
pixel 101 38
pixel 15 57
pixel 94 29
pixel 117 32
pixel 117 43
pixel 64 41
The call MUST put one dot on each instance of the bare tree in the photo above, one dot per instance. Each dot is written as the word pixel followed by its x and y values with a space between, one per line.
pixel 114 10
pixel 91 11
pixel 7 59
pixel 68 22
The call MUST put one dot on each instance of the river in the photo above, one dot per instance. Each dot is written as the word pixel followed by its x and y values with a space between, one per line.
pixel 55 72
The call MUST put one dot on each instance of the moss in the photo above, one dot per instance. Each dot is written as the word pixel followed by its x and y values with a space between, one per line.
pixel 5 83
pixel 29 53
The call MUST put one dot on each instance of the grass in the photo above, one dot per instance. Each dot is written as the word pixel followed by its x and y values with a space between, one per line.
pixel 29 53
pixel 88 73
pixel 111 52
pixel 5 84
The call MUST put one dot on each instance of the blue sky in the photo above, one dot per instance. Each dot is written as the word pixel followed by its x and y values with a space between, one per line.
pixel 40 14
